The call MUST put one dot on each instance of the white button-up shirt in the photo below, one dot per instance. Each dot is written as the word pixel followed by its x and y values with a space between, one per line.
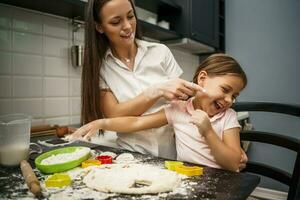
pixel 154 63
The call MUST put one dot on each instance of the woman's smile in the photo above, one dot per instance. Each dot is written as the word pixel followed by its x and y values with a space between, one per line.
pixel 127 36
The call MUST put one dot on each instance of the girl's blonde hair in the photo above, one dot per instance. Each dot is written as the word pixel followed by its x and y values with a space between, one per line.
pixel 221 64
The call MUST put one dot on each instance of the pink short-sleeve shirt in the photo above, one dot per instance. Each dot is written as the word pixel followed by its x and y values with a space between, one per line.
pixel 190 145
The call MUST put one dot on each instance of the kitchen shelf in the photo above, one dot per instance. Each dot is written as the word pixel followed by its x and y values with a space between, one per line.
pixel 160 7
pixel 75 9
pixel 156 32
pixel 65 8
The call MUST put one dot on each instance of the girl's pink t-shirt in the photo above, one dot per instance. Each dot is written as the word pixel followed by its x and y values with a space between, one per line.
pixel 190 145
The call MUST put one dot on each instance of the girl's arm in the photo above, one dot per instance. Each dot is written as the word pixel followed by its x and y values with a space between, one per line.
pixel 227 152
pixel 122 124
pixel 172 89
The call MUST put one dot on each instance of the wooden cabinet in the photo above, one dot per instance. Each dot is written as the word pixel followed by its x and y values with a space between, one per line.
pixel 160 7
pixel 195 21
pixel 76 8
pixel 222 25
pixel 65 8
pixel 164 9
pixel 200 20
pixel 201 23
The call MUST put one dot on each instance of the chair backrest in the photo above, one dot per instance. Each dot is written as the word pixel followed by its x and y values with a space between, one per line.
pixel 291 143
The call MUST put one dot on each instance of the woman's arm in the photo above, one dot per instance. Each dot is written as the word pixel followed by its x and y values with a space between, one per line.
pixel 122 124
pixel 133 107
pixel 173 89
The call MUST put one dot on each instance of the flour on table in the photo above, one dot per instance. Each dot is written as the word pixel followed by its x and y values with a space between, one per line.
pixel 66 157
pixel 132 179
pixel 68 193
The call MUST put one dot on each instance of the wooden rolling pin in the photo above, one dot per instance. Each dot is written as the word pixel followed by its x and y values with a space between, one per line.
pixel 41 128
pixel 30 178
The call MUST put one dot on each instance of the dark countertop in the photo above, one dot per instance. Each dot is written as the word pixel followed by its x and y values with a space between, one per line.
pixel 213 184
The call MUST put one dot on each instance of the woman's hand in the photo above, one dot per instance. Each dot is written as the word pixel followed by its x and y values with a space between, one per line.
pixel 87 131
pixel 174 89
pixel 201 120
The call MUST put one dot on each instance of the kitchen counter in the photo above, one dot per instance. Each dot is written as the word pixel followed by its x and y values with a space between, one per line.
pixel 213 184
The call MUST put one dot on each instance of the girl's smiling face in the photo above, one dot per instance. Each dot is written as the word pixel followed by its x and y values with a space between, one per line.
pixel 221 92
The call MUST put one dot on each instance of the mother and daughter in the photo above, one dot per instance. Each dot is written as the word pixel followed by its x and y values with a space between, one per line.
pixel 124 77
pixel 206 128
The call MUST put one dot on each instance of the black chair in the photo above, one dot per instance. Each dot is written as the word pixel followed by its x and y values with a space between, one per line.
pixel 290 179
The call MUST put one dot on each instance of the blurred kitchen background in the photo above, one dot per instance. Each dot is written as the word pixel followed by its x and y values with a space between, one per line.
pixel 37 76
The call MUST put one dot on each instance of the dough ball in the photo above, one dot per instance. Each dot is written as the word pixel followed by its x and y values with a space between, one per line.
pixel 125 157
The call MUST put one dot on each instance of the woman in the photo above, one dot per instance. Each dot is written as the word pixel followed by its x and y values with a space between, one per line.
pixel 123 75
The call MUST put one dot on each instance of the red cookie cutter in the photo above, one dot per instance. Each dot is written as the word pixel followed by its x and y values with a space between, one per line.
pixel 105 159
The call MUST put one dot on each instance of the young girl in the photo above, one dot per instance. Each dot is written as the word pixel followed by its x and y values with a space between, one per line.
pixel 206 128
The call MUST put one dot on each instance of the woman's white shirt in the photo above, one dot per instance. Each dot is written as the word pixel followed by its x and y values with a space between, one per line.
pixel 154 63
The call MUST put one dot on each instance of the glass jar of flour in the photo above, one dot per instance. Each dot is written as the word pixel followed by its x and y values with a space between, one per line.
pixel 14 138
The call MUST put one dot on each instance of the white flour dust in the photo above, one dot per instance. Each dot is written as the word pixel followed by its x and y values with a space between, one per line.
pixel 66 157
pixel 78 190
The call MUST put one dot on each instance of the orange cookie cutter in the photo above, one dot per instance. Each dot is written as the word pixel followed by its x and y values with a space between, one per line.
pixel 189 170
pixel 171 165
pixel 58 180
pixel 90 162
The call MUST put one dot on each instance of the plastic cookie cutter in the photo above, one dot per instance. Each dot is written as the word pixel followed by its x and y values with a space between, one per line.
pixel 189 170
pixel 105 159
pixel 58 180
pixel 171 165
pixel 90 162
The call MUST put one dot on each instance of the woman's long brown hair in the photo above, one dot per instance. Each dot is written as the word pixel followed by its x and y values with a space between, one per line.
pixel 96 45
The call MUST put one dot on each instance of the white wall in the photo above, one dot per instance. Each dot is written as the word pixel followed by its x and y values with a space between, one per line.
pixel 264 37
pixel 36 76
pixel 188 62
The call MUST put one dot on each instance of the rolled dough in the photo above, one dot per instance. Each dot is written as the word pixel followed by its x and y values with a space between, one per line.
pixel 132 179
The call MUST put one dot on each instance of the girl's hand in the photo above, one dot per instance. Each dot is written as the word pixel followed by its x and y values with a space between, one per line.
pixel 87 131
pixel 174 89
pixel 243 161
pixel 201 120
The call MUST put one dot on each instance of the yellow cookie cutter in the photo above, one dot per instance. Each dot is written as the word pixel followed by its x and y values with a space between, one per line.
pixel 171 165
pixel 189 170
pixel 90 162
pixel 58 180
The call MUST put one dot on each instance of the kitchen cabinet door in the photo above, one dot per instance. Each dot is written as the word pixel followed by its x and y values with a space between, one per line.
pixel 204 21
pixel 199 20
